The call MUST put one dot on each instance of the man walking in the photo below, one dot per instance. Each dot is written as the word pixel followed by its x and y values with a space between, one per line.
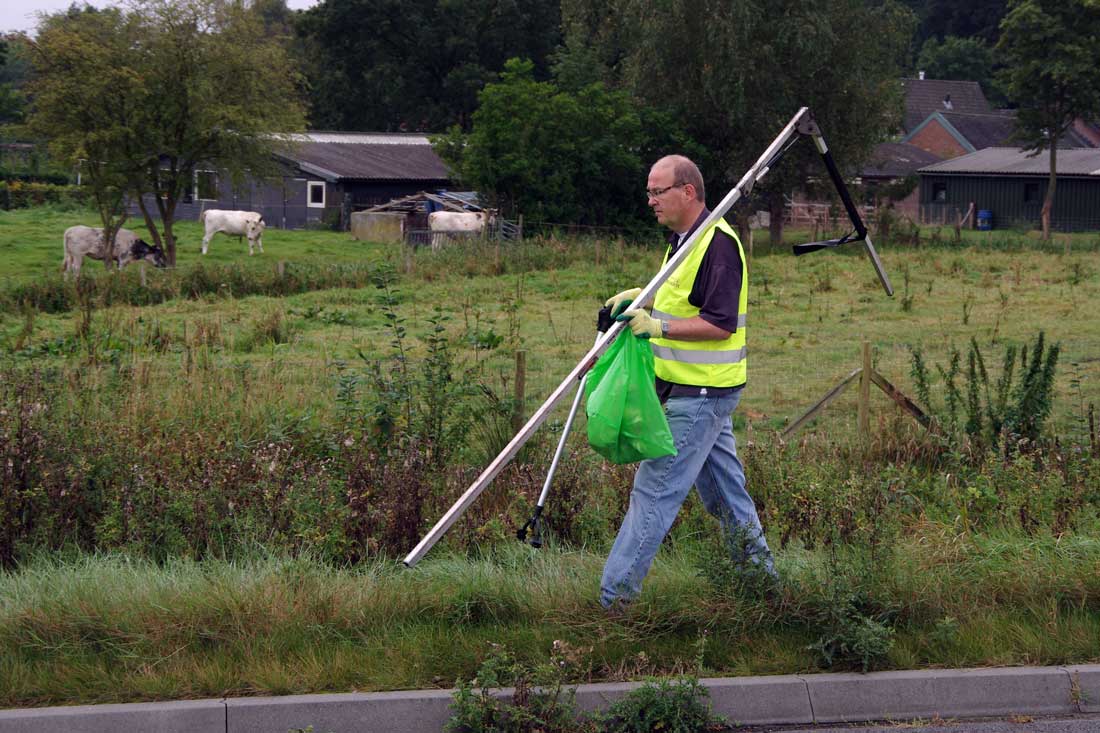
pixel 697 332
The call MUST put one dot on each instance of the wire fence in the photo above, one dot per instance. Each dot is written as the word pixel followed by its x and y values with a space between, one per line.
pixel 784 383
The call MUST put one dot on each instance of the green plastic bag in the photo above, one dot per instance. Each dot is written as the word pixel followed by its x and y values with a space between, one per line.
pixel 626 422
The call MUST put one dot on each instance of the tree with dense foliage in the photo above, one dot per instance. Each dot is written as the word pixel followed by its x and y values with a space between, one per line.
pixel 416 65
pixel 9 102
pixel 1049 51
pixel 559 156
pixel 964 59
pixel 979 19
pixel 178 85
pixel 733 73
pixel 86 93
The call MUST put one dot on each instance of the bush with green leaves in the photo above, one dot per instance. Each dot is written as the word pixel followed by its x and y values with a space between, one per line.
pixel 673 706
pixel 855 632
pixel 539 701
pixel 985 411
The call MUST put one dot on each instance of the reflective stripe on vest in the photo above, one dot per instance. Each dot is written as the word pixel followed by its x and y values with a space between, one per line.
pixel 718 363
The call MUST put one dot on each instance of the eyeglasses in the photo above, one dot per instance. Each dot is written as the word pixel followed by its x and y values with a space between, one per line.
pixel 658 192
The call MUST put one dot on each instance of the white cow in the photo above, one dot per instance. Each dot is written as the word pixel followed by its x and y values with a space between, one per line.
pixel 234 223
pixel 451 224
pixel 81 241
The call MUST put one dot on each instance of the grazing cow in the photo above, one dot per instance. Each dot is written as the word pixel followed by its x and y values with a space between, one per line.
pixel 234 223
pixel 82 241
pixel 452 224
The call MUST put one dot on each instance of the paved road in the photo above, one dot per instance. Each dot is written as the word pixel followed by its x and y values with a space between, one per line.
pixel 1018 724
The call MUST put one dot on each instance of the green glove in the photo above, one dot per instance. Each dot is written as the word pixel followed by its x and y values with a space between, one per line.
pixel 619 303
pixel 642 324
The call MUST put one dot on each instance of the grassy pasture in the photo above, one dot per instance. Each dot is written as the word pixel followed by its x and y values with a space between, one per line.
pixel 31 242
pixel 218 414
pixel 808 314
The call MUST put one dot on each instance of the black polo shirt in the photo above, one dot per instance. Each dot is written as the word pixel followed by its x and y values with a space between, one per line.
pixel 716 292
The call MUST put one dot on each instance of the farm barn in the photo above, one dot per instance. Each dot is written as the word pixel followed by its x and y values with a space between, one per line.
pixel 1012 185
pixel 327 176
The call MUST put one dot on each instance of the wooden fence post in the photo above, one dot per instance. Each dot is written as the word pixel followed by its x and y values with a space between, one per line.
pixel 520 391
pixel 865 396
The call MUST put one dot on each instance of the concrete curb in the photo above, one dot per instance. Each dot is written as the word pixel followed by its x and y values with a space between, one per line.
pixel 779 700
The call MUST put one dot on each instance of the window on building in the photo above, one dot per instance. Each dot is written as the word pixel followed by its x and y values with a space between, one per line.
pixel 206 185
pixel 317 194
pixel 939 192
pixel 1031 193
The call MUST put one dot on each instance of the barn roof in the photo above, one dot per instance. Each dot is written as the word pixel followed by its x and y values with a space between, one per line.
pixel 338 156
pixel 897 160
pixel 1016 162
pixel 982 130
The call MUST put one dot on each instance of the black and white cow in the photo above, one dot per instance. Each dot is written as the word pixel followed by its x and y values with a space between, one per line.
pixel 82 241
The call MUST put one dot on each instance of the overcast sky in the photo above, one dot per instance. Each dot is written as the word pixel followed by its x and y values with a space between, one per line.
pixel 20 15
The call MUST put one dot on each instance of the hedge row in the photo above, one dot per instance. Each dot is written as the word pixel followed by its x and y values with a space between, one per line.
pixel 21 195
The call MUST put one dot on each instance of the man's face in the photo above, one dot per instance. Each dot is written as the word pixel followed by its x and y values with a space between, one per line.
pixel 671 202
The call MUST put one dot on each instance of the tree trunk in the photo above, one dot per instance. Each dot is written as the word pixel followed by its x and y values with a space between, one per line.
pixel 743 231
pixel 775 222
pixel 1048 202
pixel 165 207
pixel 150 224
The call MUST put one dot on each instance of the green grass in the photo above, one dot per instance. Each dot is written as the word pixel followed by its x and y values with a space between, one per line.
pixel 184 393
pixel 31 243
pixel 113 629
pixel 808 314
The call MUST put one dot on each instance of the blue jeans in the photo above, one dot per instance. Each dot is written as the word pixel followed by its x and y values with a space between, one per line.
pixel 706 457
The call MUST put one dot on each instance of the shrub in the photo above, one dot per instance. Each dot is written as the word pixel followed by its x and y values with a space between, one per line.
pixel 23 195
pixel 984 411
pixel 675 706
pixel 853 631
pixel 530 709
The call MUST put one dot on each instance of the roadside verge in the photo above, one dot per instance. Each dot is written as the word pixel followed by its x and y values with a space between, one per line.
pixel 778 700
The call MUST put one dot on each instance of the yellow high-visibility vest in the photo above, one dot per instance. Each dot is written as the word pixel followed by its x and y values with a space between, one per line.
pixel 700 363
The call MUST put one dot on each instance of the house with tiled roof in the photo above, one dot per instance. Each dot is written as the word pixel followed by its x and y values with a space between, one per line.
pixel 953 118
pixel 924 97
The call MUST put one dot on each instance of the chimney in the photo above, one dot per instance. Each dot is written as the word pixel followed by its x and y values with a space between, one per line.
pixel 920 75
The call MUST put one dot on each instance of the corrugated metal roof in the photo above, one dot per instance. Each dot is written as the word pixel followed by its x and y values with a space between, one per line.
pixel 367 156
pixel 896 160
pixel 363 138
pixel 1016 162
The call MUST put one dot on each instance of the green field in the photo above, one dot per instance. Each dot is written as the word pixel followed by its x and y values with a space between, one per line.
pixel 207 494
pixel 809 314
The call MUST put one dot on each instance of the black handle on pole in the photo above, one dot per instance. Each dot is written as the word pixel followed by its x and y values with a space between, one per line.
pixel 603 320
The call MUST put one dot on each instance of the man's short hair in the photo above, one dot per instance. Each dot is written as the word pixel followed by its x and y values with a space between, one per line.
pixel 685 171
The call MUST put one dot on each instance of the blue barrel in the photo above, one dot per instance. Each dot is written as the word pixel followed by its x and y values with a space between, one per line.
pixel 985 220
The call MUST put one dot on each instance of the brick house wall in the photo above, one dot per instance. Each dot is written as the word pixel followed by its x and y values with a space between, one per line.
pixel 937 140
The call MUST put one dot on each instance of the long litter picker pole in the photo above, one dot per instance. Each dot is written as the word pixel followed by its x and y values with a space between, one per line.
pixel 603 323
pixel 754 174
pixel 801 123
